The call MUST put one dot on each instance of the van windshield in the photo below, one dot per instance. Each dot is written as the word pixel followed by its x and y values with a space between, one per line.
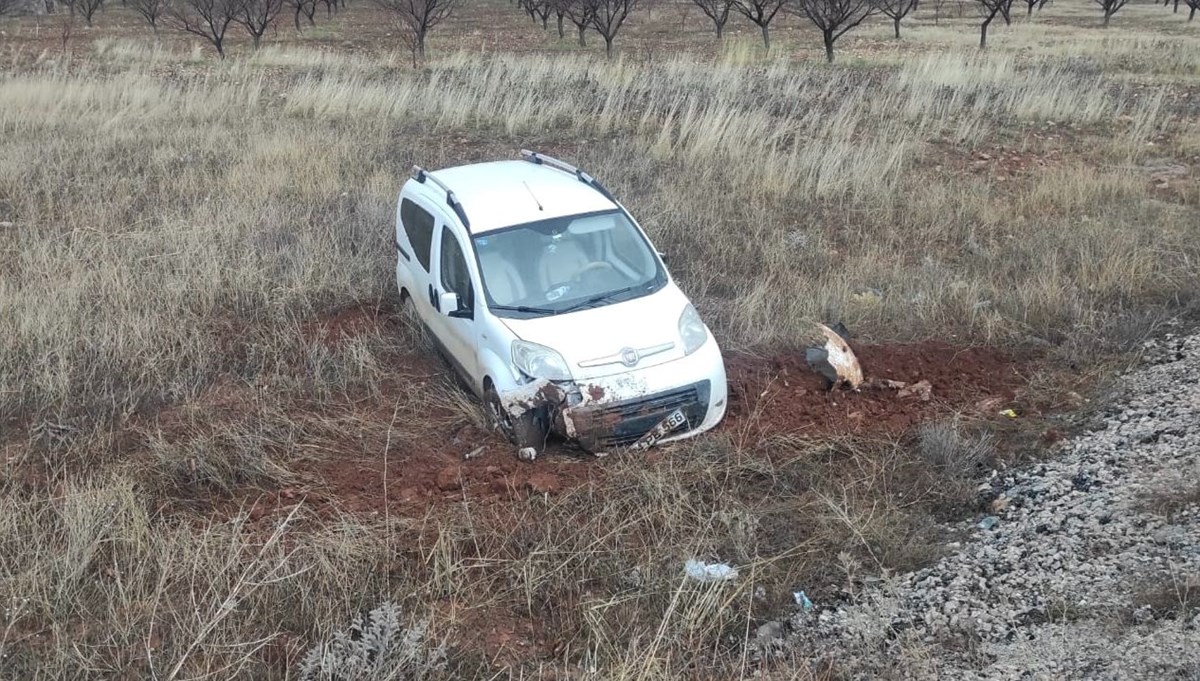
pixel 564 264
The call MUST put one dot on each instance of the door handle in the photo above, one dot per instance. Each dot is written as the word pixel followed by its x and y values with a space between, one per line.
pixel 434 302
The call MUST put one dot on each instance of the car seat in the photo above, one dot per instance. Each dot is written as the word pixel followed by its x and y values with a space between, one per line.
pixel 561 263
pixel 502 279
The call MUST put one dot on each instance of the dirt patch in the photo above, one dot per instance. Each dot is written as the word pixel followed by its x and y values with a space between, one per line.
pixel 780 395
pixel 414 440
pixel 769 396
pixel 350 323
pixel 410 482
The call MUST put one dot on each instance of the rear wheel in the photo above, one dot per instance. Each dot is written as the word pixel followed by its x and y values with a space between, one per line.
pixel 528 429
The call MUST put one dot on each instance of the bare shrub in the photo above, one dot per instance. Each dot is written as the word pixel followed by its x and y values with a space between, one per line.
pixel 376 646
pixel 308 8
pixel 416 18
pixel 608 16
pixel 84 8
pixel 896 10
pixel 988 9
pixel 10 6
pixel 1175 595
pixel 835 18
pixel 761 13
pixel 952 452
pixel 579 13
pixel 256 16
pixel 717 11
pixel 208 19
pixel 539 11
pixel 150 10
pixel 1110 7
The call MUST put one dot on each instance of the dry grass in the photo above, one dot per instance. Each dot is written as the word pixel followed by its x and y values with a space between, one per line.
pixel 178 225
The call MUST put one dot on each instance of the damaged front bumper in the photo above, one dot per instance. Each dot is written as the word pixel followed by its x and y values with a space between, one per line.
pixel 615 411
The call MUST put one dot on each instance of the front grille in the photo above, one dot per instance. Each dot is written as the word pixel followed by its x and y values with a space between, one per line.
pixel 632 419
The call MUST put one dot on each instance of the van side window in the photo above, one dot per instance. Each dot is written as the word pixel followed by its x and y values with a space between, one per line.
pixel 455 276
pixel 418 225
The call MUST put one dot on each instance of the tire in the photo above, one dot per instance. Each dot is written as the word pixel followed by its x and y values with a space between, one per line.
pixel 527 430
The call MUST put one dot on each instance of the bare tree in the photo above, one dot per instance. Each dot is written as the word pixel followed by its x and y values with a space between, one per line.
pixel 540 10
pixel 560 14
pixel 988 9
pixel 1110 8
pixel 306 7
pixel 10 6
pixel 416 19
pixel 151 11
pixel 607 18
pixel 760 13
pixel 579 13
pixel 897 10
pixel 208 19
pixel 66 24
pixel 84 8
pixel 937 11
pixel 834 18
pixel 717 11
pixel 256 16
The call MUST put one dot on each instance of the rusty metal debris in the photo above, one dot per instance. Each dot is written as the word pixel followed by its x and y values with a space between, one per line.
pixel 834 360
pixel 531 396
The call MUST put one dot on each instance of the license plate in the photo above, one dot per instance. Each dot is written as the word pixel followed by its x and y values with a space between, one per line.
pixel 673 421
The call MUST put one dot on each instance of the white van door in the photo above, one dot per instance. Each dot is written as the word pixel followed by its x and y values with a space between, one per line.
pixel 414 245
pixel 456 330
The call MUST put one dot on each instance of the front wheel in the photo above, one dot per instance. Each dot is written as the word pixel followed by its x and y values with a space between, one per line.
pixel 528 429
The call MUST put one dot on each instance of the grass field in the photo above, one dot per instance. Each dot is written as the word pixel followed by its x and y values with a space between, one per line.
pixel 200 339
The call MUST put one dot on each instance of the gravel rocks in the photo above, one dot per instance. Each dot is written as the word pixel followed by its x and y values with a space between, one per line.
pixel 1059 582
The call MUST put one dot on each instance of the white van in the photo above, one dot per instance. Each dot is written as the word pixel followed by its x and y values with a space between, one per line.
pixel 546 296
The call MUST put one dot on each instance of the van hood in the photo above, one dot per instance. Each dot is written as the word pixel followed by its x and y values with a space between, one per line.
pixel 594 341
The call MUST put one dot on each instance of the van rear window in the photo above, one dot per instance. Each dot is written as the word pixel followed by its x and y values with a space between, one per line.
pixel 418 225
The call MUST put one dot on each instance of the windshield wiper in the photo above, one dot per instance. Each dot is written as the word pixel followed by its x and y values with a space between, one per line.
pixel 598 299
pixel 524 308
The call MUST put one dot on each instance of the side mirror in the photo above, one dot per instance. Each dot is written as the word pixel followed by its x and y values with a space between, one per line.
pixel 451 306
pixel 662 256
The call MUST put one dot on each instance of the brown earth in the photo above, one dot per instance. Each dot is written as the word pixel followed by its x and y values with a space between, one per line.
pixel 779 395
pixel 411 472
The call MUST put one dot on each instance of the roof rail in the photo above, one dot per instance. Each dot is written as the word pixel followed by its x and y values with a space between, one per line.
pixel 542 159
pixel 420 175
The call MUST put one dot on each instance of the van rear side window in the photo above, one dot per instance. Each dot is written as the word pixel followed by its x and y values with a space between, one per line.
pixel 418 225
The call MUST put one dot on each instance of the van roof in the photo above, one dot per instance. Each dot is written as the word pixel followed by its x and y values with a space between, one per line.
pixel 506 193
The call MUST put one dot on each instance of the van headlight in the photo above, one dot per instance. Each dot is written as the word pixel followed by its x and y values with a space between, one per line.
pixel 539 361
pixel 691 330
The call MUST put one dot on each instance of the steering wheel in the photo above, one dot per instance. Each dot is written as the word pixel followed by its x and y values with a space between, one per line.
pixel 593 267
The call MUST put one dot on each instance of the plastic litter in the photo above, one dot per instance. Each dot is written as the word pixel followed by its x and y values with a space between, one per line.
pixel 527 454
pixel 709 572
pixel 1009 413
pixel 989 522
pixel 802 601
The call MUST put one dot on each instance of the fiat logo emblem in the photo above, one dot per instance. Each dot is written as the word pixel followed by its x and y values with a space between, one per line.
pixel 629 357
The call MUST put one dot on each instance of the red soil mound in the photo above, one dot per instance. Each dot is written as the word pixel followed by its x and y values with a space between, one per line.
pixel 781 396
pixel 428 463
